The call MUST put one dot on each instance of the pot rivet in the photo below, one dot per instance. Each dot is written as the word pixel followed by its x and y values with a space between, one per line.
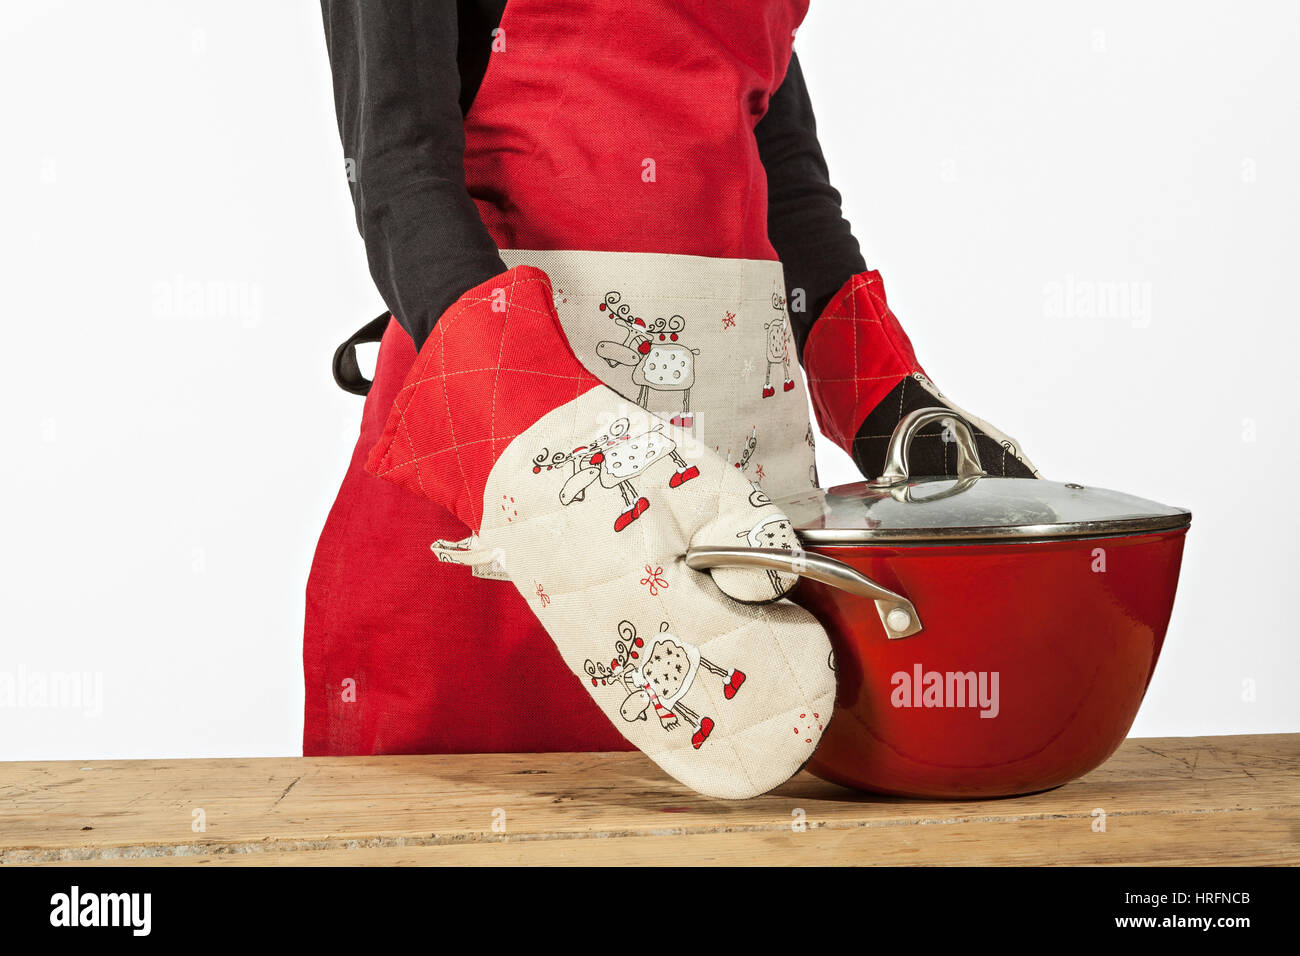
pixel 898 619
pixel 1071 484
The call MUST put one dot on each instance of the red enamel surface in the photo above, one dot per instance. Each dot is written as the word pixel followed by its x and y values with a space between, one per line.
pixel 1074 650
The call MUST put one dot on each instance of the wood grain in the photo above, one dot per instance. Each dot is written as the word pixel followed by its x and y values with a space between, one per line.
pixel 1208 800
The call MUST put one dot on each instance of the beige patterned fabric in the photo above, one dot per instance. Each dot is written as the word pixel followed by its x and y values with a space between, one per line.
pixel 721 360
pixel 589 512
pixel 730 698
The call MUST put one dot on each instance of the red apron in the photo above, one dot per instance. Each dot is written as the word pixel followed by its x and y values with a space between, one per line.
pixel 600 126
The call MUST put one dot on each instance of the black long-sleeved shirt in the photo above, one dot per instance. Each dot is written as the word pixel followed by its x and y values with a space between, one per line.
pixel 406 71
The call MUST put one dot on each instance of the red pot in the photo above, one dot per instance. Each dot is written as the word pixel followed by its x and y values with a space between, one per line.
pixel 992 636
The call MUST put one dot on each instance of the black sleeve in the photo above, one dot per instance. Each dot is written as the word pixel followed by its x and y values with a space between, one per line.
pixel 397 95
pixel 804 221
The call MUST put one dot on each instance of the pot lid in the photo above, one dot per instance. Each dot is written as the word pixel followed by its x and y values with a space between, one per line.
pixel 973 506
pixel 972 509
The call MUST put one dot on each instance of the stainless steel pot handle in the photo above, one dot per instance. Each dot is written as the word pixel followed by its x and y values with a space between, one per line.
pixel 897 614
pixel 900 443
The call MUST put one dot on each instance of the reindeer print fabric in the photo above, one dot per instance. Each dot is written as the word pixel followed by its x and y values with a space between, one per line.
pixel 588 502
pixel 715 690
pixel 704 343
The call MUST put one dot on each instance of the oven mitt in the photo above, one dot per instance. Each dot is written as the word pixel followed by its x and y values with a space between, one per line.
pixel 588 503
pixel 864 377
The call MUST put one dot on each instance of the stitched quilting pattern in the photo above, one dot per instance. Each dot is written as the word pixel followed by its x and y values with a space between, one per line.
pixel 495 364
pixel 590 497
pixel 856 353
pixel 577 543
pixel 863 377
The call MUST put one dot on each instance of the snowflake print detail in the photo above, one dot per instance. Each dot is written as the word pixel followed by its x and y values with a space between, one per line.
pixel 728 320
pixel 806 724
pixel 542 597
pixel 654 580
pixel 508 508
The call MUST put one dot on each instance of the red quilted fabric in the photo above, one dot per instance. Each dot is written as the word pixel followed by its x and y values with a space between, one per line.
pixel 404 653
pixel 497 361
pixel 855 354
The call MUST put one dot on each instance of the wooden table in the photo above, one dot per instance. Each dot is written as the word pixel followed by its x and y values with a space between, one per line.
pixel 1196 800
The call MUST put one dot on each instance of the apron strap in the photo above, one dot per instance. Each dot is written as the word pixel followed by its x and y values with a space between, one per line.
pixel 346 371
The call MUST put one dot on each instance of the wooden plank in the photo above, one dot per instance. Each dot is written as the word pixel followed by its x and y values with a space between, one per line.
pixel 444 807
pixel 1215 838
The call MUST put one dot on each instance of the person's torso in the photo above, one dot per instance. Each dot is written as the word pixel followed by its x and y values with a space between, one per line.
pixel 628 127
pixel 611 144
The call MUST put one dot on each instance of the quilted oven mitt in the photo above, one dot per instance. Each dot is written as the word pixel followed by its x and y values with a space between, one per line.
pixel 589 503
pixel 864 377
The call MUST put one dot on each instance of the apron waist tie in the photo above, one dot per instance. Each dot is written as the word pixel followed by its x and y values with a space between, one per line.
pixel 346 371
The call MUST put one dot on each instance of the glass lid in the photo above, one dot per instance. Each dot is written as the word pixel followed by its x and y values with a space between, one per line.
pixel 972 506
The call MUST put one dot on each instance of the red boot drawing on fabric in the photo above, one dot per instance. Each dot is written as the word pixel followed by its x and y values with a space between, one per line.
pixel 683 476
pixel 631 514
pixel 614 459
pixel 701 735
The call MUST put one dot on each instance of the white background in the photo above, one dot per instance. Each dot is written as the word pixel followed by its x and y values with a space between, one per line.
pixel 180 260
